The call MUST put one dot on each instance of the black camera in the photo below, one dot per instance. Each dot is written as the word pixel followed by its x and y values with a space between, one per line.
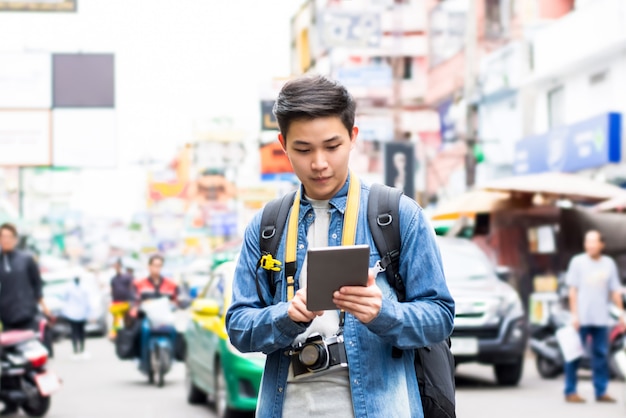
pixel 317 354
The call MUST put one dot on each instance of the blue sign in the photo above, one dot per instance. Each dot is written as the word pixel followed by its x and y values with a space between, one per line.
pixel 591 143
pixel 447 125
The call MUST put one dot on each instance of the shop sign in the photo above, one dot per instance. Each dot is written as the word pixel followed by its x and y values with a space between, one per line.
pixel 587 144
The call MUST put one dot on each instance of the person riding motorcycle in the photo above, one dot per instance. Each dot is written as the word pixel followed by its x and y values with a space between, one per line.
pixel 20 291
pixel 155 285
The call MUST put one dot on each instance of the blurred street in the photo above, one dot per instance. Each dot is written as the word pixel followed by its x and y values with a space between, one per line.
pixel 478 396
pixel 103 386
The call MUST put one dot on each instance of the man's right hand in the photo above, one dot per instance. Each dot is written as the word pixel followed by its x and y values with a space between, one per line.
pixel 297 310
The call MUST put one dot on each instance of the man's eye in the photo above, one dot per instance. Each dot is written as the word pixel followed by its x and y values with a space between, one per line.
pixel 301 150
pixel 333 147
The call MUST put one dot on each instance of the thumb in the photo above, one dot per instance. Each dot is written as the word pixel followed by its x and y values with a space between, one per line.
pixel 371 279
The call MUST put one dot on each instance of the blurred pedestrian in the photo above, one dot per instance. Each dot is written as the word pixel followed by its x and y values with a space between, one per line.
pixel 76 309
pixel 122 293
pixel 593 282
pixel 121 284
pixel 20 290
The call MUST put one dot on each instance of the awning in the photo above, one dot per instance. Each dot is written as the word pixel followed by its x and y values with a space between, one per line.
pixel 470 203
pixel 616 203
pixel 556 185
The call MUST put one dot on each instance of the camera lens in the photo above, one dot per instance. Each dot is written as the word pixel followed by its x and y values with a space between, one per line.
pixel 312 356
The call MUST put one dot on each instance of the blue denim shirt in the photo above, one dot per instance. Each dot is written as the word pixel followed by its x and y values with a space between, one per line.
pixel 381 385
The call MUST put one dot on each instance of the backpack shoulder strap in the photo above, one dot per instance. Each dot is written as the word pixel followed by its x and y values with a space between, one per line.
pixel 273 221
pixel 383 217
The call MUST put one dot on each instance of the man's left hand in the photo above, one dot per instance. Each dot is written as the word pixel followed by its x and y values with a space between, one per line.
pixel 364 302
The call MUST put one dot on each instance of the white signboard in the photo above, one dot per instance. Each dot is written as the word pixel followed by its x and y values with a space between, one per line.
pixel 25 81
pixel 84 138
pixel 24 138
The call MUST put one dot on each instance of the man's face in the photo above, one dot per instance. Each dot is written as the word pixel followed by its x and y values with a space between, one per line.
pixel 155 267
pixel 319 151
pixel 8 241
pixel 593 244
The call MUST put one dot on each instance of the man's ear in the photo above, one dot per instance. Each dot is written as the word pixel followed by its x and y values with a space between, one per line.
pixel 355 134
pixel 282 141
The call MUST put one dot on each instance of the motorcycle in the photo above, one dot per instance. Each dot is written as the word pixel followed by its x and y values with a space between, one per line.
pixel 548 357
pixel 24 378
pixel 158 336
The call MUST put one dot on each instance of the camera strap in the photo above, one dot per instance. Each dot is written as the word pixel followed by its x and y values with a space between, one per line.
pixel 350 220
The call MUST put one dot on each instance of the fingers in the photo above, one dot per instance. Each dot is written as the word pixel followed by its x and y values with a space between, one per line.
pixel 298 311
pixel 362 302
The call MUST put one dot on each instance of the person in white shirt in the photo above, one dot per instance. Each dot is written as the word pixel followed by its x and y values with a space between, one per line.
pixel 76 310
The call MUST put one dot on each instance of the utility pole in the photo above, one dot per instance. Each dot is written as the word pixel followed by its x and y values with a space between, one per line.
pixel 469 92
pixel 397 72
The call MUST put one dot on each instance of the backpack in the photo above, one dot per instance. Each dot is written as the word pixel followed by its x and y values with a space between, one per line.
pixel 434 365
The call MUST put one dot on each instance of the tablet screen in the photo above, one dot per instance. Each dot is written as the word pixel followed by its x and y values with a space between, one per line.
pixel 330 268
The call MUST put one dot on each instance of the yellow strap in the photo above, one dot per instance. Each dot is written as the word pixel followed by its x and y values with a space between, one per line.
pixel 291 245
pixel 350 221
pixel 351 216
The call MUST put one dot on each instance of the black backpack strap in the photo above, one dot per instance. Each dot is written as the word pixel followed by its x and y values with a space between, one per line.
pixel 273 221
pixel 383 217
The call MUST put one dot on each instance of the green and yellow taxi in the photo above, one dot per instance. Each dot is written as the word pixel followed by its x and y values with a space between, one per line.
pixel 215 369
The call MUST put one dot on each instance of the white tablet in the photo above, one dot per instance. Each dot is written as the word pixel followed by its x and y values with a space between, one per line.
pixel 330 268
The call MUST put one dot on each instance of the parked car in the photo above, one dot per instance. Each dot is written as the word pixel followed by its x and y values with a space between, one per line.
pixel 55 284
pixel 214 368
pixel 490 326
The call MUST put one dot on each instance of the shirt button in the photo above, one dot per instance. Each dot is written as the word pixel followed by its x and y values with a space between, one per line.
pixel 310 215
pixel 301 246
pixel 280 390
pixel 334 236
pixel 355 381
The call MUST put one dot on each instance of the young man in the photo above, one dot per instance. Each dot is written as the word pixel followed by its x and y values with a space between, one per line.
pixel 316 120
pixel 593 281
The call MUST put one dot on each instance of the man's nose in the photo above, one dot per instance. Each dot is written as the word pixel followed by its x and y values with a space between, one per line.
pixel 319 161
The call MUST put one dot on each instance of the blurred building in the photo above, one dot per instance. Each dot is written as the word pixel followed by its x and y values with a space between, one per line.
pixel 574 95
pixel 479 59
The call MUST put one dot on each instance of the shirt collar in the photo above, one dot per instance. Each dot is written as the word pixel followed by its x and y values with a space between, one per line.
pixel 338 201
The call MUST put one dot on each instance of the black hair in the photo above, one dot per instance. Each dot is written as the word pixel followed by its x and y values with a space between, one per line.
pixel 9 227
pixel 156 257
pixel 311 97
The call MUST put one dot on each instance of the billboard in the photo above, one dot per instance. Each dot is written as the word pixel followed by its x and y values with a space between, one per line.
pixel 83 80
pixel 349 29
pixel 400 166
pixel 84 138
pixel 24 137
pixel 268 119
pixel 25 81
pixel 38 6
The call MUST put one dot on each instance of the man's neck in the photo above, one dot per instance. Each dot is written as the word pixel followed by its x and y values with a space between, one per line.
pixel 155 279
pixel 595 257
